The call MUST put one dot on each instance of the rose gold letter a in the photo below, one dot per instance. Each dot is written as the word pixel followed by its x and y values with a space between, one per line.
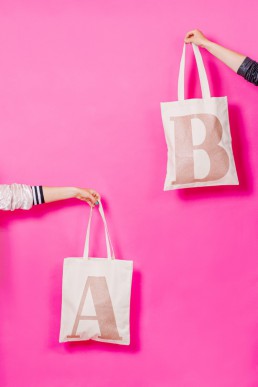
pixel 103 306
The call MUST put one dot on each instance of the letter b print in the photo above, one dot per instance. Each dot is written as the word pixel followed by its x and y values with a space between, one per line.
pixel 198 153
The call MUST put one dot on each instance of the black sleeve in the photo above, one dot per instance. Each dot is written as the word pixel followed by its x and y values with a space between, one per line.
pixel 249 70
pixel 38 196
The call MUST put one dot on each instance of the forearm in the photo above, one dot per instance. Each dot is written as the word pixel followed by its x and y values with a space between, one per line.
pixel 239 63
pixel 53 194
pixel 231 58
pixel 21 196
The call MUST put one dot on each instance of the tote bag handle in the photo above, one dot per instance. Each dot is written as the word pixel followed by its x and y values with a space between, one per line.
pixel 110 250
pixel 202 75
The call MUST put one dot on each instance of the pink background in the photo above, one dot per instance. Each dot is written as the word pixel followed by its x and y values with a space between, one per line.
pixel 81 84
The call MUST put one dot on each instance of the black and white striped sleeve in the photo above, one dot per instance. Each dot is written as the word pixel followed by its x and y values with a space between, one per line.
pixel 38 196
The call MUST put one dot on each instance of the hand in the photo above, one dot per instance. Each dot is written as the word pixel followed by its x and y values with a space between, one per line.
pixel 196 37
pixel 88 195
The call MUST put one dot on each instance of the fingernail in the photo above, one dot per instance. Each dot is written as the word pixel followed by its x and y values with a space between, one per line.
pixel 97 203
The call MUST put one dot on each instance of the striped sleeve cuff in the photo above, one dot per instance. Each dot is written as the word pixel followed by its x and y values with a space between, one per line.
pixel 37 192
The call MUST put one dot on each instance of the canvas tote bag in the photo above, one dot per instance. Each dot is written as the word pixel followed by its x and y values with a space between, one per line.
pixel 96 295
pixel 198 136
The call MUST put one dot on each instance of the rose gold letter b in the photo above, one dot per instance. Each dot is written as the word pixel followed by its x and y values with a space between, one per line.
pixel 184 148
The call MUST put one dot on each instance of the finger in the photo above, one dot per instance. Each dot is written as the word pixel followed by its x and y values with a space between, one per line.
pixel 92 205
pixel 189 38
pixel 190 34
pixel 91 198
pixel 95 194
pixel 88 198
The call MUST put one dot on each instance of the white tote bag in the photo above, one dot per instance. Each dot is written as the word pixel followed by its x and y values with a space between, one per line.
pixel 96 296
pixel 198 136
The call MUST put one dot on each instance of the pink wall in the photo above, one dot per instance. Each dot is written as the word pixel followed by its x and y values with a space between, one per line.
pixel 81 84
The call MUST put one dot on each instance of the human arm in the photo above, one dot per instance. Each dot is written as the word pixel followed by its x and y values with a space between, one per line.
pixel 239 63
pixel 22 196
pixel 52 194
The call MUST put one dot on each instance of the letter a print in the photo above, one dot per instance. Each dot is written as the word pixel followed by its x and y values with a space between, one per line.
pixel 103 307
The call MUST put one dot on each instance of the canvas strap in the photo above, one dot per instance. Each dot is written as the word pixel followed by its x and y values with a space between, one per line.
pixel 110 250
pixel 201 71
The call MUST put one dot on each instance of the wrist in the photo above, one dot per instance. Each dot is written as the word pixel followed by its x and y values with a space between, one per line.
pixel 66 192
pixel 52 194
pixel 73 192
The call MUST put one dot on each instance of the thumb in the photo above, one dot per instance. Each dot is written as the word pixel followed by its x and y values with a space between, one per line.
pixel 188 40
